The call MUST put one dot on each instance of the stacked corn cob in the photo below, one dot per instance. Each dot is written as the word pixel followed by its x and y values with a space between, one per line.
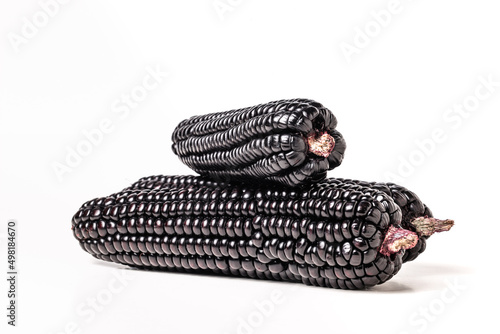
pixel 290 142
pixel 262 207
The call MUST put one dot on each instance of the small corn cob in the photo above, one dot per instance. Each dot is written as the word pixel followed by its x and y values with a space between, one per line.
pixel 328 234
pixel 289 142
pixel 413 211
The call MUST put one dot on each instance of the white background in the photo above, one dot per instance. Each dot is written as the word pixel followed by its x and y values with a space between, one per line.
pixel 69 71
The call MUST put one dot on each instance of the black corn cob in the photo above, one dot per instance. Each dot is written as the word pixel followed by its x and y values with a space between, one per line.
pixel 329 234
pixel 289 142
pixel 410 204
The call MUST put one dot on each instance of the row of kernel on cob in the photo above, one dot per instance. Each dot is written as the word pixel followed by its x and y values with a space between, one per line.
pixel 262 207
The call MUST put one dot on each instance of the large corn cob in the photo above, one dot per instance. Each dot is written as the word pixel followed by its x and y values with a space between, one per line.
pixel 411 206
pixel 329 234
pixel 290 142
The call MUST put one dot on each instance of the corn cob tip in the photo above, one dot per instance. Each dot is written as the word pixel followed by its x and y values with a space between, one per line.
pixel 427 226
pixel 397 239
pixel 321 143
